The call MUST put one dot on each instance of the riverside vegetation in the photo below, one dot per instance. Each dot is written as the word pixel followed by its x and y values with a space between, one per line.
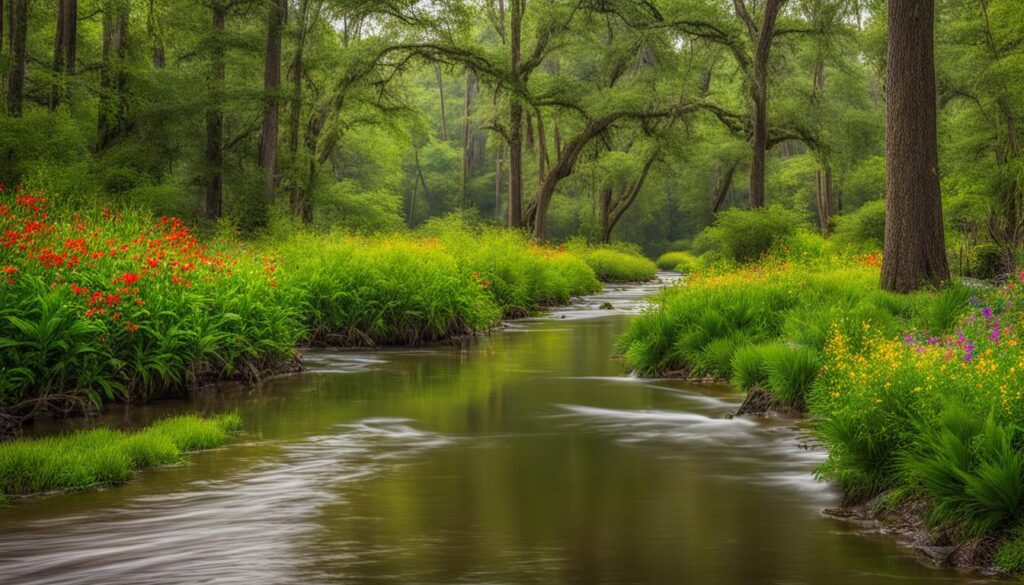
pixel 86 459
pixel 919 398
pixel 100 305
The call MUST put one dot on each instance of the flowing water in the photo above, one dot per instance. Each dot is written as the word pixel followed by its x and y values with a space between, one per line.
pixel 524 456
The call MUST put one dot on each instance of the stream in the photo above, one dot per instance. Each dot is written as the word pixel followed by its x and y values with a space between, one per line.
pixel 523 456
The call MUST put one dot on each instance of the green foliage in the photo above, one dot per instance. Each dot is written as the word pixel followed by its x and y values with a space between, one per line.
pixel 864 227
pixel 1010 555
pixel 342 205
pixel 679 261
pixel 970 469
pixel 743 235
pixel 791 373
pixel 613 265
pixel 87 459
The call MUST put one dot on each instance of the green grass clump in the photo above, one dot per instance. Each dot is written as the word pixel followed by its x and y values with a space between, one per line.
pixel 971 470
pixel 617 266
pixel 745 235
pixel 86 459
pixel 684 262
pixel 1010 555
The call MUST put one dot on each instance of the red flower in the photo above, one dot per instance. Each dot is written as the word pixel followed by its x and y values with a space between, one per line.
pixel 131 327
pixel 10 270
pixel 79 290
pixel 128 278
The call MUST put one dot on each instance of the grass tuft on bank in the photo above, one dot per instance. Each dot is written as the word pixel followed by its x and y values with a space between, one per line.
pixel 87 459
pixel 680 261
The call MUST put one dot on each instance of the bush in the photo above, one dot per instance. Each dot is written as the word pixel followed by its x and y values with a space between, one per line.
pixel 684 262
pixel 615 266
pixel 745 235
pixel 791 373
pixel 863 228
pixel 970 470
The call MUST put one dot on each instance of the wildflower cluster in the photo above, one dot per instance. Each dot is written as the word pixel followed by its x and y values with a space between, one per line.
pixel 106 303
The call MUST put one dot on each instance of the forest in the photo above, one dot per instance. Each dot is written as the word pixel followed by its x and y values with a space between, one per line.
pixel 811 210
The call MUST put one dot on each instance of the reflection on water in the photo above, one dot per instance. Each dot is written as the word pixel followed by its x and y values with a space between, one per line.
pixel 526 456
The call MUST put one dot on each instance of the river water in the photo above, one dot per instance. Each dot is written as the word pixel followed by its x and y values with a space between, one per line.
pixel 524 456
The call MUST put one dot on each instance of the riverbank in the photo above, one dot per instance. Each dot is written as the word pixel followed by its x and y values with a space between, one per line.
pixel 379 450
pixel 917 398
pixel 103 305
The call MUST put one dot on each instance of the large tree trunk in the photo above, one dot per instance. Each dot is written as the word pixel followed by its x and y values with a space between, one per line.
pixel 18 39
pixel 215 116
pixel 915 245
pixel 762 39
pixel 113 107
pixel 440 91
pixel 271 90
pixel 515 120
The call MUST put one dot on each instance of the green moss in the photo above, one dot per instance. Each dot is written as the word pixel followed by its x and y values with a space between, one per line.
pixel 85 459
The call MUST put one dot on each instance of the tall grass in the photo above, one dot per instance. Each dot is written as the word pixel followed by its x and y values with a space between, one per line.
pixel 767 324
pixel 684 262
pixel 86 459
pixel 613 265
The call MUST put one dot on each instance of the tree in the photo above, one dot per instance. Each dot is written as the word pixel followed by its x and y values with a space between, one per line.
pixel 761 37
pixel 271 88
pixel 915 245
pixel 18 22
pixel 113 108
pixel 65 43
pixel 214 154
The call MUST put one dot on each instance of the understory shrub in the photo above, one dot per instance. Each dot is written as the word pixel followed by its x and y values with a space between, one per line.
pixel 684 262
pixel 744 235
pixel 103 456
pixel 863 228
pixel 612 265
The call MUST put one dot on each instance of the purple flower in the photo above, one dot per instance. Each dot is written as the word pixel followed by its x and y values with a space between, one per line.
pixel 987 312
pixel 933 341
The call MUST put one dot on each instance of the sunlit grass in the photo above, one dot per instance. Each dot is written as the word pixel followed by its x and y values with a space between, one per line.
pixel 97 457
